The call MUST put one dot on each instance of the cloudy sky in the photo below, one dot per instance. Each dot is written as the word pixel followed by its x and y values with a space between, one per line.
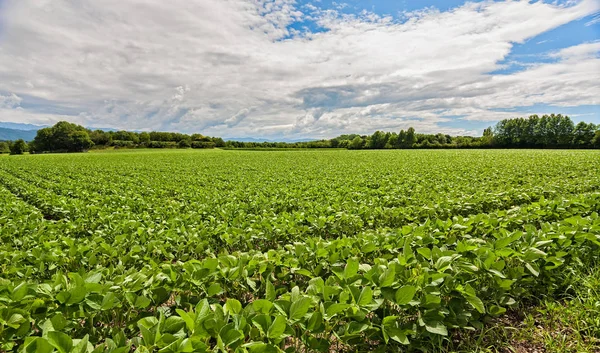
pixel 291 69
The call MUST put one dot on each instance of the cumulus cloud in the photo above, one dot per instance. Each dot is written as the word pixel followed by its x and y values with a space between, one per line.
pixel 579 52
pixel 10 101
pixel 235 68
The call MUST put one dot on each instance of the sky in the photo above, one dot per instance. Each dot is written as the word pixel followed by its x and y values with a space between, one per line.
pixel 296 69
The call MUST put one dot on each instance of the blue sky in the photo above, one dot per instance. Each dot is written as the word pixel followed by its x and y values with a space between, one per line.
pixel 286 69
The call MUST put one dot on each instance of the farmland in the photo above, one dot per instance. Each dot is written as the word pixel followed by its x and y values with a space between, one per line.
pixel 313 251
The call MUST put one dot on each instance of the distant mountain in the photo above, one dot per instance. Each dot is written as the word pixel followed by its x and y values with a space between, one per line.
pixel 10 129
pixel 14 134
pixel 21 126
pixel 107 129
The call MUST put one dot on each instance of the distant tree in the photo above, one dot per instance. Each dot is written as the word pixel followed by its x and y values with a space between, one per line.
pixel 410 139
pixel 401 139
pixel 203 144
pixel 63 136
pixel 18 147
pixel 564 131
pixel 488 137
pixel 80 141
pixel 356 143
pixel 144 137
pixel 441 138
pixel 184 144
pixel 4 148
pixel 218 142
pixel 377 140
pixel 596 139
pixel 392 141
pixel 343 144
pixel 100 138
pixel 583 135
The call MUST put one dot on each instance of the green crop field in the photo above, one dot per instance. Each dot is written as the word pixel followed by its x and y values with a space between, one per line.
pixel 302 251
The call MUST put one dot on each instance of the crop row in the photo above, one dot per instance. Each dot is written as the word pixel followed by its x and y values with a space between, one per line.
pixel 411 284
pixel 87 213
pixel 182 251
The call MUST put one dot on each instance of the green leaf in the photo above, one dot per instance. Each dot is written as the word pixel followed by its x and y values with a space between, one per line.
pixel 397 335
pixel 366 295
pixel 262 322
pixel 260 347
pixel 336 308
pixel 109 301
pixel 425 252
pixel 214 289
pixel 437 328
pixel 36 345
pixel 476 303
pixel 93 277
pixel 61 341
pixel 533 269
pixel 496 310
pixel 63 296
pixel 405 294
pixel 299 308
pixel 262 306
pixel 277 327
pixel 504 242
pixel 211 263
pixel 351 268
pixel 77 295
pixel 82 345
pixel 232 307
pixel 315 323
pixel 19 292
pixel 388 277
pixel 230 335
pixel 173 324
pixel 270 291
pixel 15 321
pixel 142 302
pixel 189 321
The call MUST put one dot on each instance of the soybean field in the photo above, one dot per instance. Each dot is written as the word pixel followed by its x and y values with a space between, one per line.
pixel 296 251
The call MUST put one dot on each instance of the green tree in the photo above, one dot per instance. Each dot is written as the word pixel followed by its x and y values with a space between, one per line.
pixel 100 137
pixel 441 138
pixel 596 139
pixel 356 143
pixel 564 131
pixel 184 144
pixel 80 141
pixel 4 148
pixel 400 143
pixel 392 141
pixel 583 135
pixel 411 138
pixel 488 137
pixel 219 142
pixel 18 147
pixel 63 136
pixel 144 137
pixel 378 140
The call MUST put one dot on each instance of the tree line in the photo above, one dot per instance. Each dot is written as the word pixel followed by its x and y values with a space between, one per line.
pixel 69 137
pixel 547 131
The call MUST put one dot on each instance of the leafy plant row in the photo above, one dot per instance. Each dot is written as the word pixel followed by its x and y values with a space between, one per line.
pixel 424 284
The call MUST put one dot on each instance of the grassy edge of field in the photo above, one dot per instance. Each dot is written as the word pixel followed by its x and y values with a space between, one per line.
pixel 570 323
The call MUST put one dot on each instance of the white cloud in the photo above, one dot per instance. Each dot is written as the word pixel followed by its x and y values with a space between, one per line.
pixel 579 52
pixel 10 101
pixel 232 68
